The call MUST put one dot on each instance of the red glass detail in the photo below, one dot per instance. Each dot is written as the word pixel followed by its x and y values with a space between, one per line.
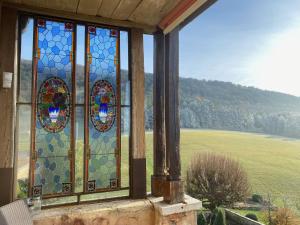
pixel 92 29
pixel 41 23
pixel 113 33
pixel 69 26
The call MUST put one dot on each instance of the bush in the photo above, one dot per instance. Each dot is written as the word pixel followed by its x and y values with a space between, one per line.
pixel 201 219
pixel 220 218
pixel 282 216
pixel 252 216
pixel 218 179
pixel 257 198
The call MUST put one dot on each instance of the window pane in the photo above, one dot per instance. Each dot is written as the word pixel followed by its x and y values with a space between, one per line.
pixel 80 50
pixel 79 148
pixel 125 80
pixel 23 149
pixel 125 129
pixel 26 59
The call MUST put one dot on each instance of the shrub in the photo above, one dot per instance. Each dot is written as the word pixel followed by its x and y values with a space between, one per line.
pixel 218 179
pixel 252 216
pixel 201 219
pixel 220 218
pixel 282 216
pixel 257 198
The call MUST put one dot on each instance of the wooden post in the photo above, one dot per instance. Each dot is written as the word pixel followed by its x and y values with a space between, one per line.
pixel 137 156
pixel 159 145
pixel 8 34
pixel 173 190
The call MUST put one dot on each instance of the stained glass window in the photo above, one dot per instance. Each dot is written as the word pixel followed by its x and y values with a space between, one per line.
pixel 77 112
pixel 103 152
pixel 52 145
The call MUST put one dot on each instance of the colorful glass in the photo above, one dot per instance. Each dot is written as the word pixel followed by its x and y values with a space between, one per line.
pixel 102 102
pixel 54 43
pixel 103 58
pixel 53 105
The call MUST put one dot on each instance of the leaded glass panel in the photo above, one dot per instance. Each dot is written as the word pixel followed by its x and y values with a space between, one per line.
pixel 52 145
pixel 103 153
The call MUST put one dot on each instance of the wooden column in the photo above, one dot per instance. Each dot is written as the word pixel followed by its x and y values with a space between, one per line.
pixel 173 190
pixel 8 34
pixel 137 154
pixel 159 145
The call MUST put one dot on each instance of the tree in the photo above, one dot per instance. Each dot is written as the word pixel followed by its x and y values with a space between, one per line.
pixel 217 179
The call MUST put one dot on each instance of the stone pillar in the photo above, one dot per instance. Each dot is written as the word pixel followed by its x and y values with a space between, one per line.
pixel 137 142
pixel 173 190
pixel 159 146
pixel 8 43
pixel 176 214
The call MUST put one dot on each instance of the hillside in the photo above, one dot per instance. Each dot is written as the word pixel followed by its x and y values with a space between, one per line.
pixel 226 106
pixel 218 105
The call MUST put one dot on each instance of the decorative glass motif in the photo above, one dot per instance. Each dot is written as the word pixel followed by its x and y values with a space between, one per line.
pixel 53 105
pixel 37 191
pixel 53 66
pixel 103 76
pixel 102 103
pixel 66 188
pixel 91 186
pixel 113 183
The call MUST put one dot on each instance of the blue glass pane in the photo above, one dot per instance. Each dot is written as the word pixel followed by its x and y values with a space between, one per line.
pixel 103 59
pixel 52 173
pixel 54 64
pixel 102 169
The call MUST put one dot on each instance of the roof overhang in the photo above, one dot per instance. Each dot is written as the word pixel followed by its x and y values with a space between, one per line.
pixel 148 15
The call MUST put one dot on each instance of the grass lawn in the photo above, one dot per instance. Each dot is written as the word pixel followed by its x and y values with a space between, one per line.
pixel 272 163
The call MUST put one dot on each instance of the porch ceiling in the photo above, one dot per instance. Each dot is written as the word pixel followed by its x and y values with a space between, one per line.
pixel 146 14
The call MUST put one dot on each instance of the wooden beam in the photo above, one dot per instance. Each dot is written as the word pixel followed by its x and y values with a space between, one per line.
pixel 7 98
pixel 176 12
pixel 173 190
pixel 184 12
pixel 152 12
pixel 81 18
pixel 159 145
pixel 138 149
pixel 196 13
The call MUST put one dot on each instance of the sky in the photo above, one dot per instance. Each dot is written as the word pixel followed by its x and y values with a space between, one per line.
pixel 248 42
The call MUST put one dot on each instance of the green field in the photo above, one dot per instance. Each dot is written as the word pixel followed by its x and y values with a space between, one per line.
pixel 272 163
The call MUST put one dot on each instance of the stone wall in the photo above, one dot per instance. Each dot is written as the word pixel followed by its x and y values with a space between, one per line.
pixel 151 211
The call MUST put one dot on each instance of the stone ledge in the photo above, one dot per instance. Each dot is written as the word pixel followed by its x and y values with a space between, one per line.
pixel 151 211
pixel 189 204
pixel 121 212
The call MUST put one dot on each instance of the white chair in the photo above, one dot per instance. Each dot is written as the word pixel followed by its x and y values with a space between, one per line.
pixel 15 213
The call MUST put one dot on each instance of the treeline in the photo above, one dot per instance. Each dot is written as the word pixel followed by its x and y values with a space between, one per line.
pixel 223 105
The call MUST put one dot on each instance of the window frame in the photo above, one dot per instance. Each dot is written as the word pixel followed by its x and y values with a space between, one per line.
pixel 74 105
